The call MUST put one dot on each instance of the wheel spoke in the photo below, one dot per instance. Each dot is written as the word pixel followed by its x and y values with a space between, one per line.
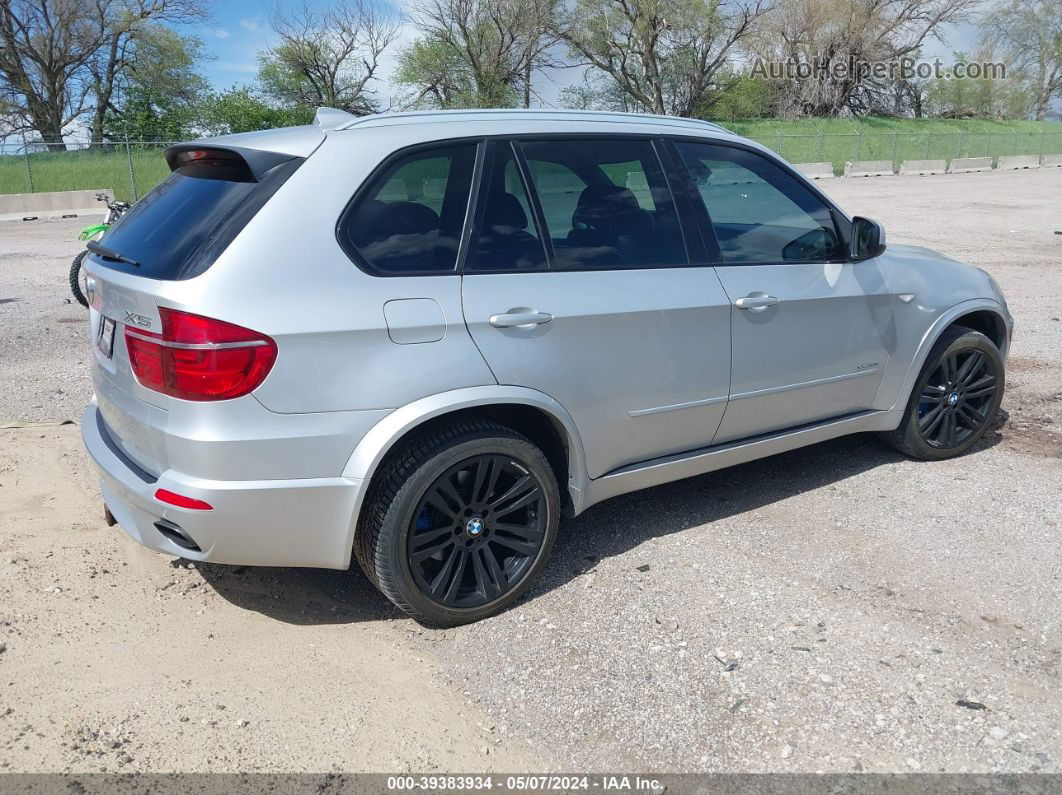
pixel 982 387
pixel 526 548
pixel 931 420
pixel 948 365
pixel 973 418
pixel 430 544
pixel 524 532
pixel 524 492
pixel 489 580
pixel 484 467
pixel 948 430
pixel 932 394
pixel 972 365
pixel 445 499
pixel 442 578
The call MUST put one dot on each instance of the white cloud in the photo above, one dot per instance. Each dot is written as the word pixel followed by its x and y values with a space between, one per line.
pixel 253 24
pixel 221 33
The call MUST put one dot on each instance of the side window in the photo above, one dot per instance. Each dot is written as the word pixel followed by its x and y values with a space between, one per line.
pixel 760 212
pixel 410 218
pixel 507 237
pixel 605 203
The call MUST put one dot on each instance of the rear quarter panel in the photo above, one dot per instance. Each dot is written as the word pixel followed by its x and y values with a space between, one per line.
pixel 285 275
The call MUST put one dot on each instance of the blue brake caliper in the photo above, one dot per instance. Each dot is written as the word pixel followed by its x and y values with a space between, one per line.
pixel 423 521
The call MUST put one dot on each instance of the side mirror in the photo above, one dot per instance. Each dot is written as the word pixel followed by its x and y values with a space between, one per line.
pixel 868 238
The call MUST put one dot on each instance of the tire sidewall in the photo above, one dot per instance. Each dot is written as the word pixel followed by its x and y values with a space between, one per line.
pixel 391 564
pixel 75 279
pixel 966 340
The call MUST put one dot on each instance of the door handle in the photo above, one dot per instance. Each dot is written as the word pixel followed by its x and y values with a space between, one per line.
pixel 525 319
pixel 756 302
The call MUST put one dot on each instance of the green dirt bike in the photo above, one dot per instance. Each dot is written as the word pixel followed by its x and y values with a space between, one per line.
pixel 115 210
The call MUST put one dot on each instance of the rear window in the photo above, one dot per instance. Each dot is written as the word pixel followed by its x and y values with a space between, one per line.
pixel 184 224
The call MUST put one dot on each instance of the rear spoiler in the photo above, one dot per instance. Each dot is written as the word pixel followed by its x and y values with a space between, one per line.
pixel 236 164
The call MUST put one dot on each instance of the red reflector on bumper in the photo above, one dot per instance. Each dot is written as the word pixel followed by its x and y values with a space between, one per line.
pixel 192 504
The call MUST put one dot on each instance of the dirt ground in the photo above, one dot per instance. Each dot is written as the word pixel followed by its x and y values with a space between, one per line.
pixel 839 608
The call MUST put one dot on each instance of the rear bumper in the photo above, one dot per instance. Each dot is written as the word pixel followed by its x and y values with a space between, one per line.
pixel 300 522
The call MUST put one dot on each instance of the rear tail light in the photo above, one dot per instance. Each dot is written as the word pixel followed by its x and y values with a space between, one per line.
pixel 198 358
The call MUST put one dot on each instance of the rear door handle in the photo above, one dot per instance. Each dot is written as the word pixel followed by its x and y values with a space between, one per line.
pixel 757 302
pixel 526 318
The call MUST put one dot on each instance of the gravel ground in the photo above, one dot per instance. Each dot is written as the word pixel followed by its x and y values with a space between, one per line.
pixel 837 608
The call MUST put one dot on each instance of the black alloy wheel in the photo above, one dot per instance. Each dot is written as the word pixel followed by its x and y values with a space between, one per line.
pixel 459 521
pixel 954 403
pixel 477 531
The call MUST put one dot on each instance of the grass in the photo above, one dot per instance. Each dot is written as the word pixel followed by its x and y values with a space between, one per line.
pixel 85 169
pixel 804 141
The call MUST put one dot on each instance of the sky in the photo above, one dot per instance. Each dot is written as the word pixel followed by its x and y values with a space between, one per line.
pixel 240 29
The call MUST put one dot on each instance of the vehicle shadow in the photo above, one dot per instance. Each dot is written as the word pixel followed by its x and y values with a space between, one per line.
pixel 321 596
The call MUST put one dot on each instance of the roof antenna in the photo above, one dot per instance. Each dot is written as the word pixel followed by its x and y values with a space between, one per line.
pixel 326 117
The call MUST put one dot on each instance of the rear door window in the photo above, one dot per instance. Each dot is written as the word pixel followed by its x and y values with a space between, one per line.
pixel 410 218
pixel 606 203
pixel 184 224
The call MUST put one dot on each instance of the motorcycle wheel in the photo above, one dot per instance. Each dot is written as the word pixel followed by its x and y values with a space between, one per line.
pixel 77 279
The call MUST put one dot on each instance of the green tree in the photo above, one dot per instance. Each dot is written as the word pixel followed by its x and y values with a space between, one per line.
pixel 1029 32
pixel 328 57
pixel 667 56
pixel 158 96
pixel 242 109
pixel 477 53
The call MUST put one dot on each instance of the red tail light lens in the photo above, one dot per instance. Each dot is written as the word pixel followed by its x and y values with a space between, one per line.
pixel 191 503
pixel 198 358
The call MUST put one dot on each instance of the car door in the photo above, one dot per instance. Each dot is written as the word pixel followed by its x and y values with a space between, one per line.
pixel 811 331
pixel 583 289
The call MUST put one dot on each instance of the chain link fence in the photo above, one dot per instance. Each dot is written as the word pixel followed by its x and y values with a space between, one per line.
pixel 128 168
pixel 131 168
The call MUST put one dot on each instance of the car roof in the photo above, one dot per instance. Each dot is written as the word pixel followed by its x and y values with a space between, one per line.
pixel 524 115
pixel 434 125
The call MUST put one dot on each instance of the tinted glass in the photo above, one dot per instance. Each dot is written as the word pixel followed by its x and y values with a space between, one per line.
pixel 507 237
pixel 179 228
pixel 410 219
pixel 759 211
pixel 606 203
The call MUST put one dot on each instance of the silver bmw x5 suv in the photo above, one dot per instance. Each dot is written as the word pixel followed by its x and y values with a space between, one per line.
pixel 418 339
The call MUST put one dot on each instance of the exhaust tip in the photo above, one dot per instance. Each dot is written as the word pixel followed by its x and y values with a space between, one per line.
pixel 177 535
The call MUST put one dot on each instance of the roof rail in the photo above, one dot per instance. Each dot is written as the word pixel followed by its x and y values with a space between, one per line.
pixel 327 117
pixel 594 115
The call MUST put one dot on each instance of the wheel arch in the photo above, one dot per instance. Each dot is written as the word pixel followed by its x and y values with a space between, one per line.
pixel 981 314
pixel 527 411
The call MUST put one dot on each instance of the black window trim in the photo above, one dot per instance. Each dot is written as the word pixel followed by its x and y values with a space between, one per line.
pixel 515 139
pixel 842 223
pixel 369 183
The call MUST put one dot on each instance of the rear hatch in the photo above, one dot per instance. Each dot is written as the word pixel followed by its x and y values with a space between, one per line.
pixel 173 234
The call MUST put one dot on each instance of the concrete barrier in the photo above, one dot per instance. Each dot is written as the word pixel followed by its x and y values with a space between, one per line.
pixel 1052 161
pixel 14 206
pixel 1018 161
pixel 922 167
pixel 815 170
pixel 967 165
pixel 868 168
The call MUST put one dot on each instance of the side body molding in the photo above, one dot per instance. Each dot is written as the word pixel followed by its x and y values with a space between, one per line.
pixel 381 437
pixel 933 333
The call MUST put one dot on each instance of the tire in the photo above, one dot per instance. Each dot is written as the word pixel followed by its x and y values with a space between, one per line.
pixel 75 279
pixel 427 538
pixel 960 387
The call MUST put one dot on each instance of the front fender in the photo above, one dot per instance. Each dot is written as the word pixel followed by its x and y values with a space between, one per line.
pixel 382 437
pixel 933 333
pixel 91 231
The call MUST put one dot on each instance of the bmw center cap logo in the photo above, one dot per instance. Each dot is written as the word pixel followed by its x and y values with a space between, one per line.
pixel 953 398
pixel 474 526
